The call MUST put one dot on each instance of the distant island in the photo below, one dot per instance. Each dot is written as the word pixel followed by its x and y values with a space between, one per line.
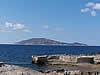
pixel 44 41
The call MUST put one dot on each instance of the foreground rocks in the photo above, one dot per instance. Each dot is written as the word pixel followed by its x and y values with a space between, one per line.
pixel 6 69
pixel 73 64
pixel 16 70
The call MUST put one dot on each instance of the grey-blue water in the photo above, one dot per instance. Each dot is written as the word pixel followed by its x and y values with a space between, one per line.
pixel 21 54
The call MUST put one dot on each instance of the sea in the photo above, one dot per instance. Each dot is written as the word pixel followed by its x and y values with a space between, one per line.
pixel 21 54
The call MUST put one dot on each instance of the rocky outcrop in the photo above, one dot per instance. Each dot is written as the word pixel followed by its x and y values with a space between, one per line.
pixel 16 70
pixel 73 64
pixel 39 59
pixel 6 69
pixel 65 59
pixel 46 59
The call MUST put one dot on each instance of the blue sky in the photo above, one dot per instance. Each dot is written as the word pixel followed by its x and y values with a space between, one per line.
pixel 63 20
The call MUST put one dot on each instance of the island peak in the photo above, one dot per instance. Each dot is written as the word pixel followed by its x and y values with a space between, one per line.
pixel 45 41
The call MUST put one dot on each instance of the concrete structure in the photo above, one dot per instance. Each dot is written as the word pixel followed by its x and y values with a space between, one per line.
pixel 73 64
pixel 66 59
pixel 39 59
pixel 85 60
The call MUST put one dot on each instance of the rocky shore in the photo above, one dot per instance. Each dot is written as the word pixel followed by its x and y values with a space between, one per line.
pixel 57 65
pixel 73 64
pixel 6 69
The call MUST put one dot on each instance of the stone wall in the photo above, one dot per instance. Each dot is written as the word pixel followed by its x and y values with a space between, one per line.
pixel 65 58
pixel 68 58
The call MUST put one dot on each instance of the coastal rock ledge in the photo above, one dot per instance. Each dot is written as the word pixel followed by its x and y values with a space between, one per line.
pixel 6 69
pixel 70 64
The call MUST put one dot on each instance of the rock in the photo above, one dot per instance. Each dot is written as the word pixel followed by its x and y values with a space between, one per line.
pixel 39 59
pixel 1 63
pixel 65 59
pixel 59 70
pixel 6 69
pixel 16 70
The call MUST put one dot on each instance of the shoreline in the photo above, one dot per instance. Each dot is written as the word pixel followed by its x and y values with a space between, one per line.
pixel 53 65
pixel 70 63
pixel 6 69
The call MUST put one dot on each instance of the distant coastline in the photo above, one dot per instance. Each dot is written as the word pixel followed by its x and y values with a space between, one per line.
pixel 44 41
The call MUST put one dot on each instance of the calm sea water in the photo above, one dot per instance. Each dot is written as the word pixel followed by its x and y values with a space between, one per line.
pixel 21 54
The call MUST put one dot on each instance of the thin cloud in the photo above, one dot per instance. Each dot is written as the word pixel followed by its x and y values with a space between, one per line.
pixel 8 24
pixel 27 30
pixel 97 6
pixel 92 8
pixel 85 10
pixel 15 26
pixel 9 27
pixel 90 4
pixel 93 13
pixel 46 27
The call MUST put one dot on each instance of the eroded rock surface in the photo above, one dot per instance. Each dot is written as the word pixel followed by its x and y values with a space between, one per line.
pixel 6 69
pixel 16 70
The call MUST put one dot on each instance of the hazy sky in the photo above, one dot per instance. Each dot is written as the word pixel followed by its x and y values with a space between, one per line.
pixel 63 20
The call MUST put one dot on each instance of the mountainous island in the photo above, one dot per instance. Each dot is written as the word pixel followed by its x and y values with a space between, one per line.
pixel 44 41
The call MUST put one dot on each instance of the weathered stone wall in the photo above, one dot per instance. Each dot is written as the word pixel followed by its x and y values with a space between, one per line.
pixel 55 58
pixel 68 58
pixel 64 58
pixel 39 59
pixel 97 59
